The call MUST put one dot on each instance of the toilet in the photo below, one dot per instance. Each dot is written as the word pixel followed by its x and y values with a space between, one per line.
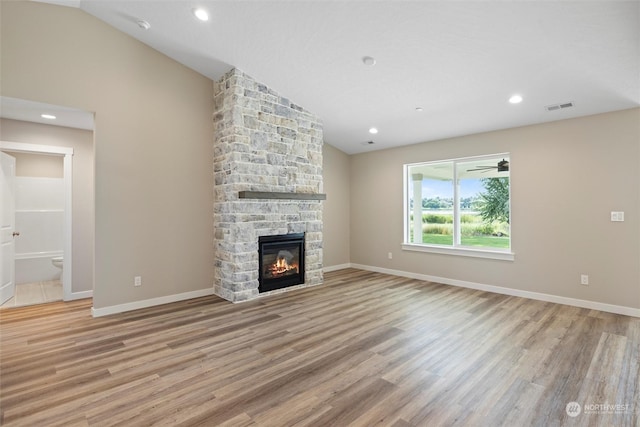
pixel 57 262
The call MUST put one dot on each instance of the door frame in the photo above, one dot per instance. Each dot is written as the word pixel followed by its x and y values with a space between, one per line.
pixel 67 249
pixel 8 237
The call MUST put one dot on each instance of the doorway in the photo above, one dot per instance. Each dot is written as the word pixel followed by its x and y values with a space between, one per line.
pixel 31 285
pixel 66 134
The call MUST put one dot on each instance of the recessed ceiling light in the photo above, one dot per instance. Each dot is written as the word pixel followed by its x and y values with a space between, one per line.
pixel 201 14
pixel 48 116
pixel 515 99
pixel 373 131
pixel 419 109
pixel 367 60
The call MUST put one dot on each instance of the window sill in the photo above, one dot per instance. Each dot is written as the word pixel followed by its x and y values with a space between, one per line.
pixel 469 252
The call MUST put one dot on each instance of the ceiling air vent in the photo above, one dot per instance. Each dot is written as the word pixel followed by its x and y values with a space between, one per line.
pixel 555 107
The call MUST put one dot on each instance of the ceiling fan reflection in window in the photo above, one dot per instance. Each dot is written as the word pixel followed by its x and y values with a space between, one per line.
pixel 503 166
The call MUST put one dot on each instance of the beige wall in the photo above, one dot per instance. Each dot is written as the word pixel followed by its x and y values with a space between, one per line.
pixel 35 165
pixel 153 144
pixel 336 211
pixel 153 175
pixel 28 164
pixel 566 176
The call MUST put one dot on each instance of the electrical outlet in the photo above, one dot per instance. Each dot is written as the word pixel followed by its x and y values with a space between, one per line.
pixel 584 279
pixel 617 216
pixel 137 281
pixel 390 255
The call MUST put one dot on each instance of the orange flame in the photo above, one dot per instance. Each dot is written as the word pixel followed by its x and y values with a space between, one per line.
pixel 281 266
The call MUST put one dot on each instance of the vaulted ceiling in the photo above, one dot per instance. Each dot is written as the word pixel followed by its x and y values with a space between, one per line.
pixel 442 68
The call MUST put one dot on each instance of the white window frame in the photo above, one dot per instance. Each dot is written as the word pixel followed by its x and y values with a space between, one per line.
pixel 456 249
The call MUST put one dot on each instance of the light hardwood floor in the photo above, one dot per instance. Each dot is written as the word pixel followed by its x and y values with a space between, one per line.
pixel 363 349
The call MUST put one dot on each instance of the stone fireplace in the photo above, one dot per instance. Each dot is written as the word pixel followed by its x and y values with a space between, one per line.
pixel 268 182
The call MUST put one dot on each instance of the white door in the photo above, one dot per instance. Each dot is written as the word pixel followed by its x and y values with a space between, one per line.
pixel 7 226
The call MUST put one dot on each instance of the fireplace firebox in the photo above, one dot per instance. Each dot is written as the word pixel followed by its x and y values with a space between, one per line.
pixel 281 261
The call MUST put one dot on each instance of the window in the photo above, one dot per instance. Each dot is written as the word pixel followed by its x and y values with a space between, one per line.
pixel 459 206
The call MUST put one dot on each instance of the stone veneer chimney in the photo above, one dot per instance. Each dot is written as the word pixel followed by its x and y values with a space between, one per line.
pixel 263 143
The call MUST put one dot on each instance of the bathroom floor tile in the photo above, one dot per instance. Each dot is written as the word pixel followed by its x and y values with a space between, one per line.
pixel 52 290
pixel 35 293
pixel 29 293
pixel 11 302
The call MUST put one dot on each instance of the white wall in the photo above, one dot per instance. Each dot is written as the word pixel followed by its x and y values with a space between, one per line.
pixel 39 210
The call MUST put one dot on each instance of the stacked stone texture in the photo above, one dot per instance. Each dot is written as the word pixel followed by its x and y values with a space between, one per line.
pixel 263 142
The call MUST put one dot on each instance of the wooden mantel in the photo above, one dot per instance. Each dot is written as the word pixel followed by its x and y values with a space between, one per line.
pixel 280 195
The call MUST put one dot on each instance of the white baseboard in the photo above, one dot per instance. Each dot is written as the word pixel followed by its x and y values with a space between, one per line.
pixel 121 308
pixel 79 295
pixel 593 305
pixel 336 267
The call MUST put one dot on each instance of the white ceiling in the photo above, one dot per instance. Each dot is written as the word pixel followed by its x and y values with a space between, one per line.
pixel 29 111
pixel 459 61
